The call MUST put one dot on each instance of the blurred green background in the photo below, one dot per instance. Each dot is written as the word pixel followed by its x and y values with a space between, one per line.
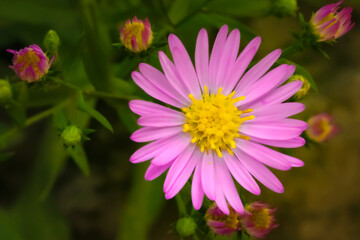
pixel 44 195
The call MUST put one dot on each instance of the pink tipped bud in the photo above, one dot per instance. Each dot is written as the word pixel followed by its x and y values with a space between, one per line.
pixel 321 127
pixel 221 223
pixel 330 24
pixel 258 219
pixel 136 35
pixel 30 63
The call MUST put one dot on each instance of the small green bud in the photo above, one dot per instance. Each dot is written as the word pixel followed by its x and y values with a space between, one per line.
pixel 71 135
pixel 186 226
pixel 304 88
pixel 52 41
pixel 284 8
pixel 5 91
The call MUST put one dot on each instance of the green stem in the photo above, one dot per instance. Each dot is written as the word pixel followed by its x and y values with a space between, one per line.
pixel 4 137
pixel 292 49
pixel 93 93
pixel 181 205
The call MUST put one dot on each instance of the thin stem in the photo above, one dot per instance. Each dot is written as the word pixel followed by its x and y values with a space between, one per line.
pixel 292 49
pixel 93 93
pixel 181 205
pixel 4 137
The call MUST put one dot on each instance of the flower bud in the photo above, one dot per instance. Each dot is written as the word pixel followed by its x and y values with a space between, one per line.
pixel 258 219
pixel 283 8
pixel 221 223
pixel 304 88
pixel 321 127
pixel 71 135
pixel 31 63
pixel 5 91
pixel 186 226
pixel 136 35
pixel 52 41
pixel 329 24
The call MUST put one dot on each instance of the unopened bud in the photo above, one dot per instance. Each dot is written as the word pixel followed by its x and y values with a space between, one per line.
pixel 304 88
pixel 283 8
pixel 71 135
pixel 52 42
pixel 186 226
pixel 5 91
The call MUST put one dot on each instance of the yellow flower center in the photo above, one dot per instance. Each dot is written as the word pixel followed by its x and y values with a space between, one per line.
pixel 261 218
pixel 214 121
pixel 29 59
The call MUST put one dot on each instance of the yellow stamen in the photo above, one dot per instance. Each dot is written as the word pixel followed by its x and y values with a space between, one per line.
pixel 214 120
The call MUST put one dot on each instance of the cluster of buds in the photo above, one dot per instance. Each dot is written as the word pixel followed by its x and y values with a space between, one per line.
pixel 257 220
pixel 31 63
pixel 321 127
pixel 329 23
pixel 136 35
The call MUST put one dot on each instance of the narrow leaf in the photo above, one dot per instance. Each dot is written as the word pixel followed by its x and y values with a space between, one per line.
pixel 77 153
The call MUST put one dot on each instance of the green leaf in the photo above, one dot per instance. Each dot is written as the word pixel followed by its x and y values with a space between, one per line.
pixel 83 106
pixel 300 70
pixel 178 10
pixel 78 155
pixel 59 119
pixel 244 8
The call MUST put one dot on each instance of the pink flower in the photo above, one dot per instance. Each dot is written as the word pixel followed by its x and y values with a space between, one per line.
pixel 30 63
pixel 136 35
pixel 321 127
pixel 330 24
pixel 219 119
pixel 221 223
pixel 258 219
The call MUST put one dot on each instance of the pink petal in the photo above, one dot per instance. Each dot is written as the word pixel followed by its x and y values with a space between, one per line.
pixel 207 175
pixel 241 175
pixel 174 77
pixel 172 150
pixel 184 65
pixel 228 57
pixel 259 171
pixel 151 150
pixel 277 111
pixel 240 65
pixel 162 120
pixel 154 171
pixel 288 143
pixel 258 71
pixel 228 185
pixel 178 166
pixel 265 84
pixel 216 57
pixel 277 130
pixel 147 134
pixel 330 32
pixel 263 154
pixel 220 197
pixel 151 89
pixel 159 79
pixel 184 175
pixel 197 192
pixel 202 57
pixel 278 95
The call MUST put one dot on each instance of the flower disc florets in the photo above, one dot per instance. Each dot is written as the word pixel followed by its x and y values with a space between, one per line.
pixel 214 121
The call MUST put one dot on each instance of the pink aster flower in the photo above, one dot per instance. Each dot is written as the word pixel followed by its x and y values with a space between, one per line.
pixel 136 35
pixel 30 63
pixel 321 127
pixel 330 24
pixel 221 223
pixel 220 118
pixel 258 219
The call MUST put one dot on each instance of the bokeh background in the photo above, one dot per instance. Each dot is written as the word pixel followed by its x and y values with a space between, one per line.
pixel 44 195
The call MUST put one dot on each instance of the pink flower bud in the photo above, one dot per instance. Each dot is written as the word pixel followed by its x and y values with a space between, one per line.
pixel 258 219
pixel 221 223
pixel 330 24
pixel 136 35
pixel 321 127
pixel 30 63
